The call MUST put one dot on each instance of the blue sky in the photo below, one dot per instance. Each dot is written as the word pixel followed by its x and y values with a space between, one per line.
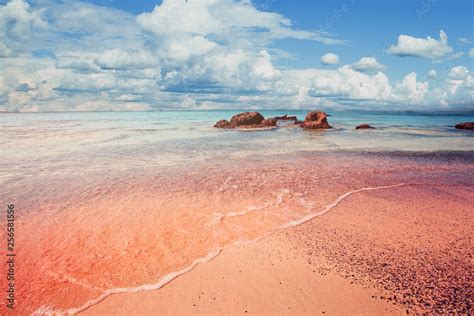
pixel 201 54
pixel 371 26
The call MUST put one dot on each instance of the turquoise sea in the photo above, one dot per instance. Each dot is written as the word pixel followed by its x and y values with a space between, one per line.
pixel 32 142
pixel 170 137
pixel 45 144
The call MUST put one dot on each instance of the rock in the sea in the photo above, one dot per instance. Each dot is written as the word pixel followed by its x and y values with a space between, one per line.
pixel 316 120
pixel 268 122
pixel 222 124
pixel 246 118
pixel 286 118
pixel 365 126
pixel 465 125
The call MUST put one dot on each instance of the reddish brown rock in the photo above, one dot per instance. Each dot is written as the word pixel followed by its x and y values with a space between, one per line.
pixel 365 126
pixel 286 118
pixel 246 118
pixel 465 125
pixel 268 122
pixel 316 120
pixel 222 124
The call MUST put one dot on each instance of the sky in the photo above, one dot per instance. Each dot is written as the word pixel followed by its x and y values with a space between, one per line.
pixel 111 55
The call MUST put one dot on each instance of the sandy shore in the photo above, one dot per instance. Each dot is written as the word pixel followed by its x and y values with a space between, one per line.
pixel 407 249
pixel 262 278
pixel 383 233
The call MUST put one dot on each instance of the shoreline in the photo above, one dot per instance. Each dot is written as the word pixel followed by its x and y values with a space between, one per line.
pixel 256 278
pixel 166 279
pixel 259 265
pixel 212 255
pixel 153 227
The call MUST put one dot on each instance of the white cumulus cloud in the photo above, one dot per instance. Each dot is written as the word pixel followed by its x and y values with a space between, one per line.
pixel 432 73
pixel 351 84
pixel 224 19
pixel 330 59
pixel 17 22
pixel 368 64
pixel 120 59
pixel 421 47
pixel 458 73
pixel 460 87
pixel 411 89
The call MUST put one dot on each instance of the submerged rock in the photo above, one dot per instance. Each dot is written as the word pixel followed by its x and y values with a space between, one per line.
pixel 269 122
pixel 465 125
pixel 286 118
pixel 222 124
pixel 316 120
pixel 365 126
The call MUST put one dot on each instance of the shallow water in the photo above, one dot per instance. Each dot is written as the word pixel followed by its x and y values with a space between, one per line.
pixel 113 202
pixel 174 137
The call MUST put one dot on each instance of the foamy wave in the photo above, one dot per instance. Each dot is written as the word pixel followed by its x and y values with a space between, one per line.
pixel 218 217
pixel 73 280
pixel 47 310
pixel 334 204
pixel 226 185
pixel 281 196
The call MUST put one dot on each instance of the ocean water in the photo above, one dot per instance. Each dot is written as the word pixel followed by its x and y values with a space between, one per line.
pixel 118 202
pixel 175 137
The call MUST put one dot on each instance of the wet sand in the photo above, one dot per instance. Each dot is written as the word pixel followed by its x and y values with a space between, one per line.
pixel 414 244
pixel 403 250
pixel 396 225
pixel 262 278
